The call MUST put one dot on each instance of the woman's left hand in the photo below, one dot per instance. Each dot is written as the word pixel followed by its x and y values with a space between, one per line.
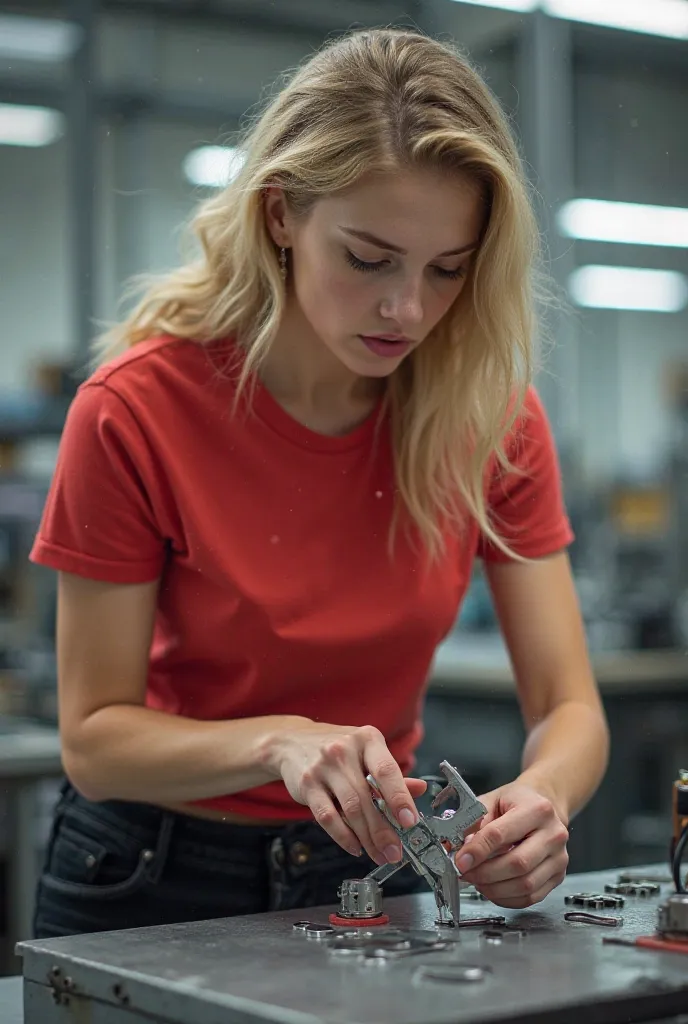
pixel 518 853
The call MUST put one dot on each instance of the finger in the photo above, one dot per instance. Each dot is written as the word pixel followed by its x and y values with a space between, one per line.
pixel 525 884
pixel 416 787
pixel 505 831
pixel 374 833
pixel 527 899
pixel 329 818
pixel 512 862
pixel 390 782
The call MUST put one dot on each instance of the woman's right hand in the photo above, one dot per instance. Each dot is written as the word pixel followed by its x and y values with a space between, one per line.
pixel 325 767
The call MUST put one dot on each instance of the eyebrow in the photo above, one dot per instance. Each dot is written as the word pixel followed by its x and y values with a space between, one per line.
pixel 365 236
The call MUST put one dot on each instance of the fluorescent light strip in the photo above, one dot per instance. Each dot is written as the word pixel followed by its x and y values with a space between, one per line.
pixel 600 287
pixel 652 17
pixel 212 166
pixel 635 223
pixel 38 39
pixel 29 126
pixel 518 6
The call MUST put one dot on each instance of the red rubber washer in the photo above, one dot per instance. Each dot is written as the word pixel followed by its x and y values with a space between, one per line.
pixel 356 922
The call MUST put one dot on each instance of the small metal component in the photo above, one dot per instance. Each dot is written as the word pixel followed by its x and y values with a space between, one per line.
pixel 360 898
pixel 147 856
pixel 318 931
pixel 453 973
pixel 643 890
pixel 300 926
pixel 616 940
pixel 473 894
pixel 672 918
pixel 482 922
pixel 643 879
pixel 510 935
pixel 604 920
pixel 594 901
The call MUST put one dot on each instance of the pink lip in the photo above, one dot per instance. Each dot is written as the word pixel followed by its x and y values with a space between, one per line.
pixel 389 337
pixel 390 346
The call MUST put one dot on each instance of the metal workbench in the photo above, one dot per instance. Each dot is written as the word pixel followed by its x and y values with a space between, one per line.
pixel 260 968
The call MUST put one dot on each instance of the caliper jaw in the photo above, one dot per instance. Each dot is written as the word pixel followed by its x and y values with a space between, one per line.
pixel 431 845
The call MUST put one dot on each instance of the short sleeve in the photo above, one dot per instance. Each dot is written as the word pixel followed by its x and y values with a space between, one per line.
pixel 98 520
pixel 526 506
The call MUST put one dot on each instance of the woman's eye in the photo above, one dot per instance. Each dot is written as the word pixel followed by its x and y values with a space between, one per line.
pixel 451 275
pixel 361 264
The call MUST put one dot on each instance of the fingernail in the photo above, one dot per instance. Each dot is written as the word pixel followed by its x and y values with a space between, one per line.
pixel 464 863
pixel 355 851
pixel 392 853
pixel 407 818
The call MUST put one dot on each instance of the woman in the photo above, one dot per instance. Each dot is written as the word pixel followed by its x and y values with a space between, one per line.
pixel 268 501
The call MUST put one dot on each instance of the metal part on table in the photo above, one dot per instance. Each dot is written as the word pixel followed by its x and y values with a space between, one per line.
pixel 643 879
pixel 672 919
pixel 496 937
pixel 455 974
pixel 604 920
pixel 431 845
pixel 594 901
pixel 643 890
pixel 471 893
pixel 360 898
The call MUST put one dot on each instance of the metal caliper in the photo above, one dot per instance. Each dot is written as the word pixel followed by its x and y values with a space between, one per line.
pixel 430 846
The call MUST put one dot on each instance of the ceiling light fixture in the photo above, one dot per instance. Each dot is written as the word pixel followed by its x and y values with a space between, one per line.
pixel 659 18
pixel 29 126
pixel 601 287
pixel 213 166
pixel 598 220
pixel 37 39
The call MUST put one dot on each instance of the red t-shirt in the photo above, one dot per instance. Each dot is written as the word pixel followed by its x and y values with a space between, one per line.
pixel 278 595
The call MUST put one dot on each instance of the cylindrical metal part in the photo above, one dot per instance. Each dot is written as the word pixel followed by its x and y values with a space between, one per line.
pixel 673 918
pixel 360 898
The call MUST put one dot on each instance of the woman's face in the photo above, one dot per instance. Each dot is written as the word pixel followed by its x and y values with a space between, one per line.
pixel 387 258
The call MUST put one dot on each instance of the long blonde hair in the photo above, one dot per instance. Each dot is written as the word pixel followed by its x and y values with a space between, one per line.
pixel 378 100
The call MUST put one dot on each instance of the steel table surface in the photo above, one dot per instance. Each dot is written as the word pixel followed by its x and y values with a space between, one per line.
pixel 258 968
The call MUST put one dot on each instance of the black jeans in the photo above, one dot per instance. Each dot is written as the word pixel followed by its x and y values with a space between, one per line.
pixel 117 864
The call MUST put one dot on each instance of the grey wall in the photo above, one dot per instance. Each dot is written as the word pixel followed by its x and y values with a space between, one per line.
pixel 631 144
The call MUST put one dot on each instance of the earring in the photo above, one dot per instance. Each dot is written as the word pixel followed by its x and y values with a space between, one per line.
pixel 283 263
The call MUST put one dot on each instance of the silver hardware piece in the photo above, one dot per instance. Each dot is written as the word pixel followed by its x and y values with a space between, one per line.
pixel 385 944
pixel 318 931
pixel 431 845
pixel 300 926
pixel 510 935
pixel 672 918
pixel 595 901
pixel 482 922
pixel 643 879
pixel 360 898
pixel 454 973
pixel 604 920
pixel 472 893
pixel 643 890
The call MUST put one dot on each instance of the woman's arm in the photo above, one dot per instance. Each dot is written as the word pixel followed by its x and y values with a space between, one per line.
pixel 115 748
pixel 519 855
pixel 567 748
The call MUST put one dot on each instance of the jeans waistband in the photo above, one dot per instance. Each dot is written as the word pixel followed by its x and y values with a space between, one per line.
pixel 141 820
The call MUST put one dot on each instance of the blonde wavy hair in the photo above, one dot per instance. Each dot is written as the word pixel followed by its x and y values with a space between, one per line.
pixel 378 100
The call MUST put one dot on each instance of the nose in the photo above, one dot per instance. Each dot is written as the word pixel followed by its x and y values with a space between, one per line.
pixel 404 304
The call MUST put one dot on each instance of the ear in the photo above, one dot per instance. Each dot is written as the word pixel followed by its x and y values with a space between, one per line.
pixel 277 215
